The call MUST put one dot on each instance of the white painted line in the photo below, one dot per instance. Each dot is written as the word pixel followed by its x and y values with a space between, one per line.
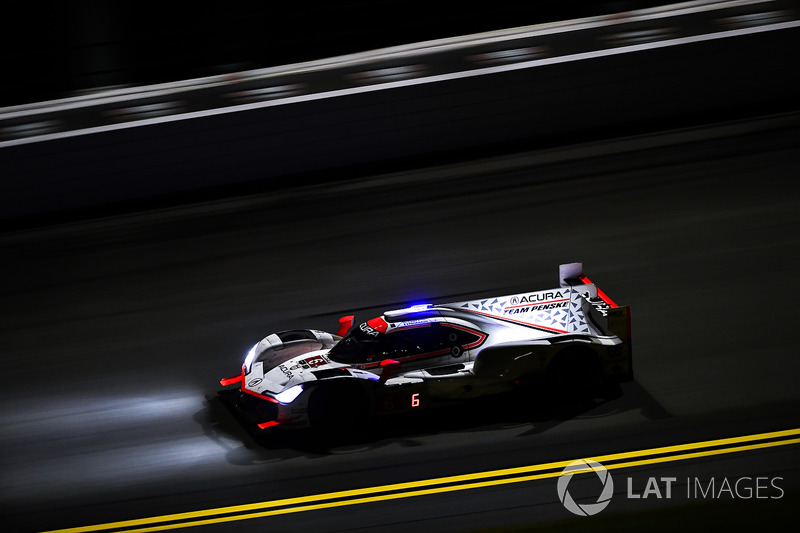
pixel 754 19
pixel 145 111
pixel 372 56
pixel 641 36
pixel 30 128
pixel 266 93
pixel 387 74
pixel 414 81
pixel 509 56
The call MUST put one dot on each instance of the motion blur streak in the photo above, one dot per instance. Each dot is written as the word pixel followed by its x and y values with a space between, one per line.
pixel 408 51
pixel 606 459
pixel 414 81
pixel 698 235
pixel 101 411
pixel 143 456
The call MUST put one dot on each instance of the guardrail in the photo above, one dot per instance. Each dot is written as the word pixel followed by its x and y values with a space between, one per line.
pixel 530 84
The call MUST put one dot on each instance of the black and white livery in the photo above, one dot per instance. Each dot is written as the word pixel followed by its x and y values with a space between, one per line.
pixel 426 355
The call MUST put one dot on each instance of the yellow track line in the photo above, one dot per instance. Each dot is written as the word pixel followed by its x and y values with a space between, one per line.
pixel 438 481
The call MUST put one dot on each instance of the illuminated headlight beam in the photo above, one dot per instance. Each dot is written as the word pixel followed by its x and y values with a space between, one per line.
pixel 251 355
pixel 290 394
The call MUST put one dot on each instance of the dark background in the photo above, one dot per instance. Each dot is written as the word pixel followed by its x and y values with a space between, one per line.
pixel 52 50
pixel 116 330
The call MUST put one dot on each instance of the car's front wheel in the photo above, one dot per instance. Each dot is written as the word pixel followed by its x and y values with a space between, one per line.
pixel 337 409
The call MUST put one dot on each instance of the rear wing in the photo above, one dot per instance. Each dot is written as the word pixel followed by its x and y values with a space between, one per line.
pixel 604 314
pixel 571 275
pixel 601 310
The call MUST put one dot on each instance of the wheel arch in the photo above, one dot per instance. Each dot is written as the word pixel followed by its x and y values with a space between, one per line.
pixel 575 369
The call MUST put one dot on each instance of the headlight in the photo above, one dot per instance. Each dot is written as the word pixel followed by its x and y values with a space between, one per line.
pixel 290 394
pixel 251 355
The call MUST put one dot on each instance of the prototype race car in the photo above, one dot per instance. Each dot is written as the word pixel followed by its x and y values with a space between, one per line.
pixel 572 336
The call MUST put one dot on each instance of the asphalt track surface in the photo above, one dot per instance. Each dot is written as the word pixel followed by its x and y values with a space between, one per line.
pixel 116 331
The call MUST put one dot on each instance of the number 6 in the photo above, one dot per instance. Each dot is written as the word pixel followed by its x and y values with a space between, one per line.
pixel 415 400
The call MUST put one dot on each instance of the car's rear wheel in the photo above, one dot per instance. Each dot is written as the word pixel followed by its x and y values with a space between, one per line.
pixel 576 374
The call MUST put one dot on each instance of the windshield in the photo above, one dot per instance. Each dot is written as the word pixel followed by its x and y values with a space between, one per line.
pixel 358 346
pixel 275 355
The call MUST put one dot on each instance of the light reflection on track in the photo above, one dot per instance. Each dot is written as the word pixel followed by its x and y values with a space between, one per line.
pixel 139 321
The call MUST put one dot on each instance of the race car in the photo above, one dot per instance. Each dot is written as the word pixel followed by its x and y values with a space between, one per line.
pixel 570 337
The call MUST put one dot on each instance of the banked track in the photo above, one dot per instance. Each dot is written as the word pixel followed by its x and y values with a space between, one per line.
pixel 116 330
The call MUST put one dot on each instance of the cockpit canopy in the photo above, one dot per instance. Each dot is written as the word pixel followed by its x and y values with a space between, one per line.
pixel 361 345
pixel 375 341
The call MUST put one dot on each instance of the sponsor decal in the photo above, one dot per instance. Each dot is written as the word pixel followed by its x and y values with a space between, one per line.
pixel 286 371
pixel 537 297
pixel 311 362
pixel 413 323
pixel 254 382
pixel 368 330
pixel 536 307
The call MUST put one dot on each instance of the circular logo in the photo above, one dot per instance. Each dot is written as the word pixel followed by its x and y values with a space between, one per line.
pixel 582 466
pixel 514 300
pixel 254 382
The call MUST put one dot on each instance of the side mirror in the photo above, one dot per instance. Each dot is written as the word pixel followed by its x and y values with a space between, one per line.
pixel 389 367
pixel 345 323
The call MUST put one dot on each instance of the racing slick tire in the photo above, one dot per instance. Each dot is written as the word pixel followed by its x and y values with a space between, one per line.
pixel 576 375
pixel 338 408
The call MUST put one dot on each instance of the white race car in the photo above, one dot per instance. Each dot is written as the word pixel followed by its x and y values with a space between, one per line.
pixel 572 336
